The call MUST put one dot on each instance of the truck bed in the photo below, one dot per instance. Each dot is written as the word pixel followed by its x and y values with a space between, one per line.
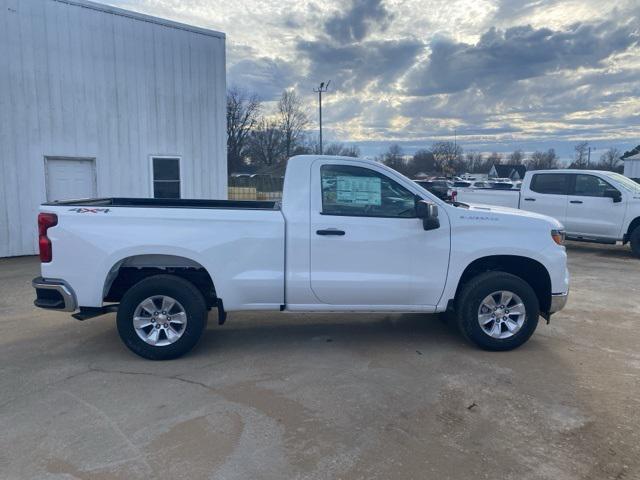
pixel 489 196
pixel 167 203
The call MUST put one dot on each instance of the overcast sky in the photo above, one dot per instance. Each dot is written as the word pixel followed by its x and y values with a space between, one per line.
pixel 501 74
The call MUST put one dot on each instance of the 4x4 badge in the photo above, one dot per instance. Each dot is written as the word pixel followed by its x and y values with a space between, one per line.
pixel 89 210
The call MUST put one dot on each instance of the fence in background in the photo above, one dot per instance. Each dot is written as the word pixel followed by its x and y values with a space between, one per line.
pixel 255 187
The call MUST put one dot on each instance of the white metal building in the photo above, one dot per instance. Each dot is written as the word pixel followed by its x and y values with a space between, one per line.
pixel 99 101
pixel 632 166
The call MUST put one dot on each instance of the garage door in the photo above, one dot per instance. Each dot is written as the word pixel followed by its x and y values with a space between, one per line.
pixel 70 178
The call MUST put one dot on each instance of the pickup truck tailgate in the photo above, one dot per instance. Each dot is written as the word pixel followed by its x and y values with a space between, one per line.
pixel 242 249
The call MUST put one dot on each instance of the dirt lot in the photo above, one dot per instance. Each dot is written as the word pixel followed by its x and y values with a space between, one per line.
pixel 309 396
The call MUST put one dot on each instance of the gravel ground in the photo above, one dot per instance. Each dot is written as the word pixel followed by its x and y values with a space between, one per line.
pixel 317 397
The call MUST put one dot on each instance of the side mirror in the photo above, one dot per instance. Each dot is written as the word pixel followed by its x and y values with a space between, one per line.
pixel 428 212
pixel 613 194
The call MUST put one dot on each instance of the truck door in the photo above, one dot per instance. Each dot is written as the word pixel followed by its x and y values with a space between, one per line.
pixel 589 212
pixel 547 194
pixel 367 246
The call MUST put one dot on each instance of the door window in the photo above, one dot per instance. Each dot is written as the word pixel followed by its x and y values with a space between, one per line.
pixel 361 192
pixel 590 186
pixel 550 183
pixel 166 177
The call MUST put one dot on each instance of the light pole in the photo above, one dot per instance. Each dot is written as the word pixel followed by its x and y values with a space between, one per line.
pixel 322 88
pixel 589 157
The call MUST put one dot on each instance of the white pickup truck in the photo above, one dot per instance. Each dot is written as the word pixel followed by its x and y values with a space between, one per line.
pixel 350 235
pixel 593 205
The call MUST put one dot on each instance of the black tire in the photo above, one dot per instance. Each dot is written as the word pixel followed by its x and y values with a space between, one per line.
pixel 634 239
pixel 471 297
pixel 177 288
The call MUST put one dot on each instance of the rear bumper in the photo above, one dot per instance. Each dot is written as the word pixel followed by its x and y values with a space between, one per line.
pixel 558 301
pixel 54 295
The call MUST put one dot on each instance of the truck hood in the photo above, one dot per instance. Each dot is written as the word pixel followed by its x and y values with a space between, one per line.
pixel 479 208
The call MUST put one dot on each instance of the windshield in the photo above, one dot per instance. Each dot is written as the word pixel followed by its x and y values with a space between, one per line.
pixel 625 182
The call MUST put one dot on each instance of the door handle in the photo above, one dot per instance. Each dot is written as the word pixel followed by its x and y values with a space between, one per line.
pixel 331 231
pixel 575 201
pixel 529 199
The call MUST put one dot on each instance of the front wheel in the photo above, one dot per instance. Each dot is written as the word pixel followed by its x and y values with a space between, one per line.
pixel 161 317
pixel 497 311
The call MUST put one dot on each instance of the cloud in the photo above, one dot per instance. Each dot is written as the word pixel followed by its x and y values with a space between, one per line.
pixel 267 77
pixel 345 53
pixel 521 52
pixel 356 66
pixel 354 24
pixel 549 71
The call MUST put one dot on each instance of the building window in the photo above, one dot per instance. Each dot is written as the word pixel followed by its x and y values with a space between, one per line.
pixel 166 177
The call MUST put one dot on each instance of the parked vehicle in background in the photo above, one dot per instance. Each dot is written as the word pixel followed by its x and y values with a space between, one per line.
pixel 443 189
pixel 351 235
pixel 503 184
pixel 593 205
pixel 500 180
pixel 461 184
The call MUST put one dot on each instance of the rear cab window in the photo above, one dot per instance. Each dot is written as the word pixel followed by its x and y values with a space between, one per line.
pixel 551 183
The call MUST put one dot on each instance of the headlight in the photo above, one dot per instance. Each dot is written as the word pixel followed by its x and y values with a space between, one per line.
pixel 558 236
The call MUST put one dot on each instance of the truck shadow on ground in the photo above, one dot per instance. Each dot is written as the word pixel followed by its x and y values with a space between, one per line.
pixel 603 251
pixel 249 331
pixel 263 332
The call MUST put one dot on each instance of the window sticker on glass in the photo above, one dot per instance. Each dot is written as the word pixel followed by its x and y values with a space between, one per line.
pixel 359 190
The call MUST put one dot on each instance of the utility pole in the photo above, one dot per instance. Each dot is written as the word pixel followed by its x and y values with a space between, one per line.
pixel 589 158
pixel 322 88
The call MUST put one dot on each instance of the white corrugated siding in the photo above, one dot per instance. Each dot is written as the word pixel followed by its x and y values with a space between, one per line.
pixel 632 166
pixel 77 81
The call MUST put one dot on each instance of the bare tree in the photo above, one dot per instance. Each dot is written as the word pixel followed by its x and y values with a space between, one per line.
pixel 447 155
pixel 474 162
pixel 342 150
pixel 494 159
pixel 267 143
pixel 516 157
pixel 242 115
pixel 292 120
pixel 543 160
pixel 423 162
pixel 582 155
pixel 307 145
pixel 610 160
pixel 394 158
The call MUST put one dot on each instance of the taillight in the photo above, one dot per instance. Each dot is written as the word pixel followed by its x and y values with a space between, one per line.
pixel 45 222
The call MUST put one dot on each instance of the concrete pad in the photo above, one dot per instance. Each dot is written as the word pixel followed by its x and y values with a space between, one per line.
pixel 328 396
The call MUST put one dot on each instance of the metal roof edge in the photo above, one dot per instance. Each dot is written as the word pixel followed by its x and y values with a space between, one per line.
pixel 142 17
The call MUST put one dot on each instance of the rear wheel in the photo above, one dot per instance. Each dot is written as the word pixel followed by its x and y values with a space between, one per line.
pixel 161 317
pixel 635 241
pixel 497 311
